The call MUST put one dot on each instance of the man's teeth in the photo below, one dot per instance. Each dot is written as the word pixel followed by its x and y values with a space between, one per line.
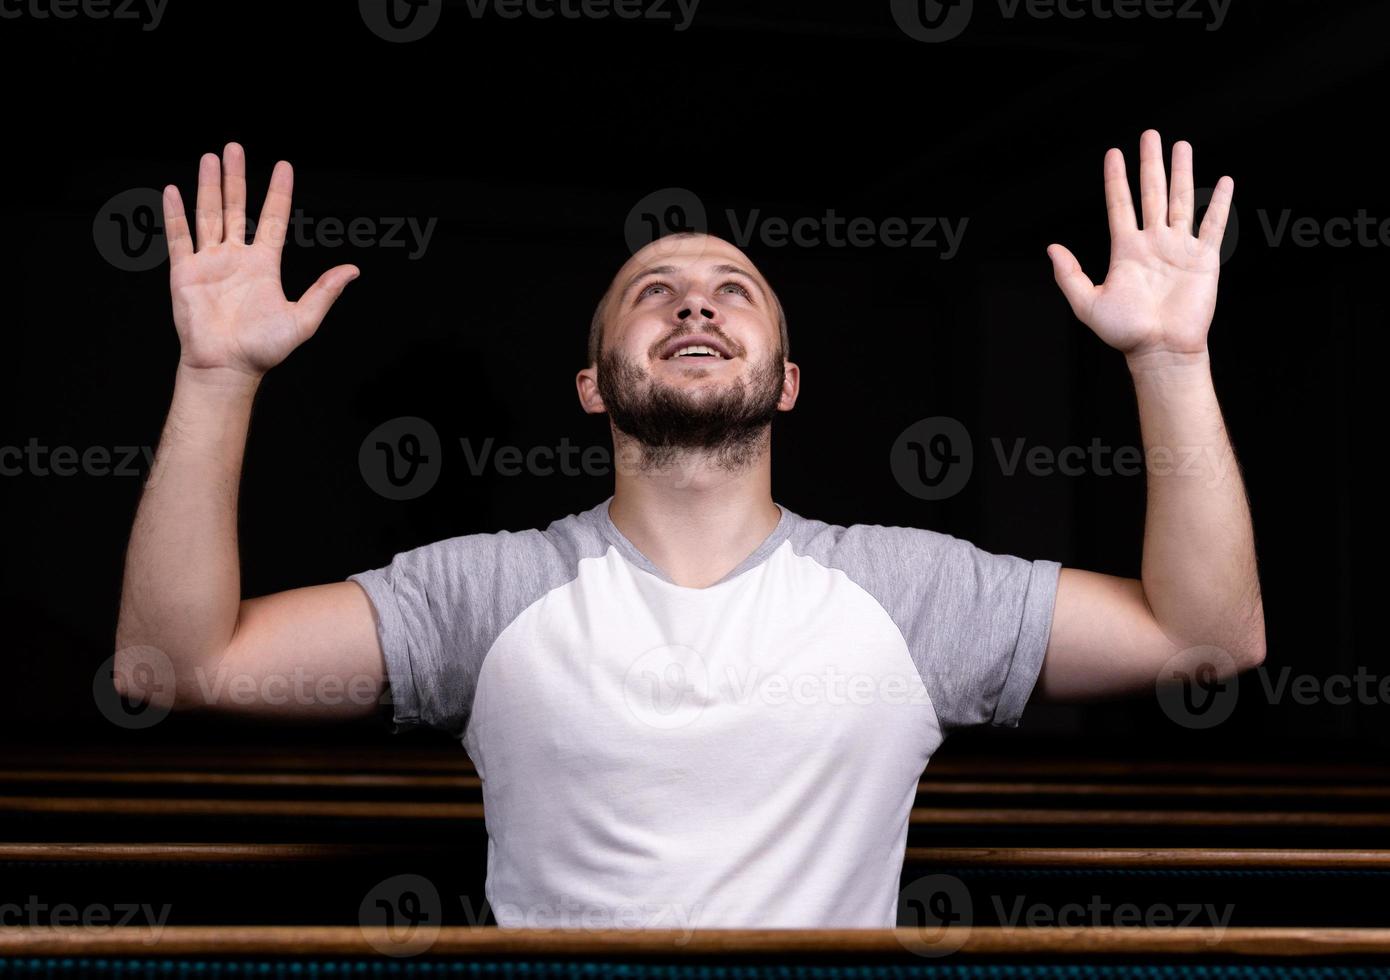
pixel 697 349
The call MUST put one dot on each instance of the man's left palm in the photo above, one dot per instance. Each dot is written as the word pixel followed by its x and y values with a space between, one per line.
pixel 1159 293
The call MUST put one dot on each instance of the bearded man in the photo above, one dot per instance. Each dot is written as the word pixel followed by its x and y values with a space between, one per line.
pixel 689 705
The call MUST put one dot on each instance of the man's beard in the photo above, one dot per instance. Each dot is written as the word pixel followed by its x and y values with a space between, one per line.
pixel 726 425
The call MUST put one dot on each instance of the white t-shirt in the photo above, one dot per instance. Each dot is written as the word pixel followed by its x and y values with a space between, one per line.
pixel 744 755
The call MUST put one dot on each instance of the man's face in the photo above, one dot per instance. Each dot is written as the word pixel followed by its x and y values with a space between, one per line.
pixel 692 355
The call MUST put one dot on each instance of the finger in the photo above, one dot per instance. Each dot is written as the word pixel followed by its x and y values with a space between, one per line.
pixel 1180 195
pixel 176 227
pixel 1118 204
pixel 209 206
pixel 234 193
pixel 313 305
pixel 275 213
pixel 1076 285
pixel 1152 195
pixel 1214 221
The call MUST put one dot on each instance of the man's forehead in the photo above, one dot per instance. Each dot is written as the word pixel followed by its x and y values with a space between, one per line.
pixel 692 253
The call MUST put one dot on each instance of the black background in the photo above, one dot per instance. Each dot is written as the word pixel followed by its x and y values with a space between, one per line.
pixel 529 141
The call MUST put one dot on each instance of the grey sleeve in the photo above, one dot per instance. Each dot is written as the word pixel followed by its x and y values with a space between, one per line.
pixel 976 623
pixel 438 609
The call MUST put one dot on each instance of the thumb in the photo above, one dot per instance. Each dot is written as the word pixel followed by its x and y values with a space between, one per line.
pixel 313 305
pixel 1075 286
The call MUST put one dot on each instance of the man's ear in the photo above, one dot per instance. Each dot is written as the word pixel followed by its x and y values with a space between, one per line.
pixel 586 383
pixel 791 387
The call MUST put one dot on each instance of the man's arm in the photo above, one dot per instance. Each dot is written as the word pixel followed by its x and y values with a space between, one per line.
pixel 185 638
pixel 1200 585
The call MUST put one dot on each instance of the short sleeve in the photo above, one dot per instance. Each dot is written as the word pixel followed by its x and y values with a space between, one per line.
pixel 438 609
pixel 976 623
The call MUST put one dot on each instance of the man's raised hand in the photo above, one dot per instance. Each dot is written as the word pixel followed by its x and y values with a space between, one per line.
pixel 1159 293
pixel 229 308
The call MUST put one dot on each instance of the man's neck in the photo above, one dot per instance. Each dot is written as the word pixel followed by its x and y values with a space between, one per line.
pixel 696 520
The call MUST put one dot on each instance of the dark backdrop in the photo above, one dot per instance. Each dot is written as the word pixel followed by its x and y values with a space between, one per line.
pixel 528 142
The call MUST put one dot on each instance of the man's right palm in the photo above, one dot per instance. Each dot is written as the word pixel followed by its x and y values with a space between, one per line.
pixel 229 308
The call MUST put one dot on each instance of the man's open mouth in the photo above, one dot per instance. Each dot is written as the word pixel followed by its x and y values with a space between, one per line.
pixel 697 351
pixel 695 348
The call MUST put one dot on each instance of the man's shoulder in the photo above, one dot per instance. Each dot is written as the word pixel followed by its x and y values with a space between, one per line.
pixel 817 538
pixel 558 546
pixel 574 536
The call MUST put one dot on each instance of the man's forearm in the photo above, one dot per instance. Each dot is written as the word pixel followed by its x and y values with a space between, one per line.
pixel 182 585
pixel 1199 569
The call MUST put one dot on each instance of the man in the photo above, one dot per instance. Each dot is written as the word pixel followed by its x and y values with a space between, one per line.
pixel 688 704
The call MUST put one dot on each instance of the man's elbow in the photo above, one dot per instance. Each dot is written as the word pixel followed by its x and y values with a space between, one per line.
pixel 1254 654
pixel 145 676
pixel 1252 650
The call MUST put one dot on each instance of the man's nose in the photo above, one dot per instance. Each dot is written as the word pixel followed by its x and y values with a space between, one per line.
pixel 704 308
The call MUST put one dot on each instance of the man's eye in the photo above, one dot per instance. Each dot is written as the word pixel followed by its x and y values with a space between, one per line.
pixel 737 286
pixel 655 285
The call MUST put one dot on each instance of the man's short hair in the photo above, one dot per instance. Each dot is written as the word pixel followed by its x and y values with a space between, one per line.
pixel 596 324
